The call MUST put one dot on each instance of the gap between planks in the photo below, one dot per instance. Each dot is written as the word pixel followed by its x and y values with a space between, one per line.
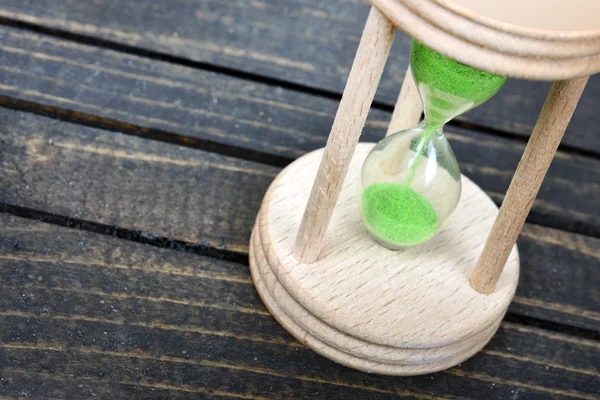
pixel 28 24
pixel 237 254
pixel 203 112
pixel 162 81
pixel 9 19
pixel 93 121
pixel 168 137
pixel 242 259
pixel 232 151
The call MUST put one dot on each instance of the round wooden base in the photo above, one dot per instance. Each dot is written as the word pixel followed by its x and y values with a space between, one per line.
pixel 403 312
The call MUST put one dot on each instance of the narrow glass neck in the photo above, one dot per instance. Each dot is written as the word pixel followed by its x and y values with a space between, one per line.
pixel 447 87
pixel 440 107
pixel 431 130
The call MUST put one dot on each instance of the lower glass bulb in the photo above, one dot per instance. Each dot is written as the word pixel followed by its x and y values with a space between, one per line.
pixel 409 185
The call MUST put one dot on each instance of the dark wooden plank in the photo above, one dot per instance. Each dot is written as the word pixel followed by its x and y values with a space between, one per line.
pixel 164 190
pixel 84 313
pixel 190 106
pixel 311 43
pixel 549 286
pixel 158 95
pixel 119 180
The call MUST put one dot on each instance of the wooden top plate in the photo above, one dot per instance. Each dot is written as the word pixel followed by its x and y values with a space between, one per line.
pixel 488 38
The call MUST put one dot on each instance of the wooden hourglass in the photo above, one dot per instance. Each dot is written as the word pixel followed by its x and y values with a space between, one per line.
pixel 427 307
pixel 410 182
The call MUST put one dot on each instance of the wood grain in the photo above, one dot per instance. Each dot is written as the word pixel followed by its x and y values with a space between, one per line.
pixel 368 292
pixel 347 350
pixel 167 191
pixel 192 107
pixel 497 46
pixel 285 40
pixel 121 181
pixel 64 89
pixel 357 304
pixel 372 53
pixel 526 182
pixel 82 330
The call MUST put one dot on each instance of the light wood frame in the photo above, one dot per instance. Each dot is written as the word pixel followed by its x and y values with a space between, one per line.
pixel 313 281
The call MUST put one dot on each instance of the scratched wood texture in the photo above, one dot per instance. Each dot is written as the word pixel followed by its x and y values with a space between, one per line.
pixel 88 315
pixel 165 190
pixel 203 109
pixel 310 42
pixel 85 314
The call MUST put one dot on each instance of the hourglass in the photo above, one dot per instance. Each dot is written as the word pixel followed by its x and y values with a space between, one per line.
pixel 410 182
pixel 438 301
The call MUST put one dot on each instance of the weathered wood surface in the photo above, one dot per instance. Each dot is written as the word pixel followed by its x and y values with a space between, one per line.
pixel 310 43
pixel 85 315
pixel 203 109
pixel 124 181
pixel 164 190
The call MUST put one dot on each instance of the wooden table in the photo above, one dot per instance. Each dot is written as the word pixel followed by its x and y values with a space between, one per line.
pixel 137 139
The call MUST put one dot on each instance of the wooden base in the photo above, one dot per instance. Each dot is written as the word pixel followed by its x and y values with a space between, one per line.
pixel 403 312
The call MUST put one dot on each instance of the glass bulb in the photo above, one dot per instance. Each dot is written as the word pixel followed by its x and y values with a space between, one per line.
pixel 410 181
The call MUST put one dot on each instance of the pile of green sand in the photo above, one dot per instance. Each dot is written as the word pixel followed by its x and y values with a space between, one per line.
pixel 448 76
pixel 398 214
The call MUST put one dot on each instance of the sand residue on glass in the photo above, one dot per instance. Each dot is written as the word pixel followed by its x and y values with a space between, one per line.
pixel 410 182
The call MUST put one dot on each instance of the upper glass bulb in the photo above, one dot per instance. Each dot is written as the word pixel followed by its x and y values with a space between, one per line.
pixel 410 182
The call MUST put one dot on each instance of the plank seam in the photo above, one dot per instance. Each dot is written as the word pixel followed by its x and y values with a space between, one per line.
pixel 149 238
pixel 89 120
pixel 158 135
pixel 254 77
pixel 205 250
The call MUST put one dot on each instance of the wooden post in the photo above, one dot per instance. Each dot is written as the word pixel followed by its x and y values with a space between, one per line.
pixel 409 107
pixel 526 182
pixel 366 71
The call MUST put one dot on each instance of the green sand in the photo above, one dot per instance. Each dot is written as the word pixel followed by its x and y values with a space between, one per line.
pixel 448 76
pixel 398 214
pixel 393 212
